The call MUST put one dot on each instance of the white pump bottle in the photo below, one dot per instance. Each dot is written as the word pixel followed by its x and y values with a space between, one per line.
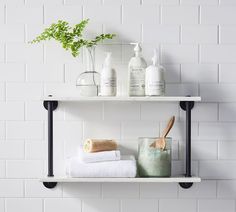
pixel 108 85
pixel 136 78
pixel 155 79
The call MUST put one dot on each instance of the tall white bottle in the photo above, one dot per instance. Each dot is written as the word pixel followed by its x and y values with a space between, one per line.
pixel 136 78
pixel 108 85
pixel 155 79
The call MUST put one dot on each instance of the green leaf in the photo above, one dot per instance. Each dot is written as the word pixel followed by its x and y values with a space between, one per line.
pixel 70 38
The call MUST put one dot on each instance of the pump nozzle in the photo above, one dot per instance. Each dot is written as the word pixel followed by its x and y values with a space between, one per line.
pixel 155 58
pixel 137 48
pixel 107 62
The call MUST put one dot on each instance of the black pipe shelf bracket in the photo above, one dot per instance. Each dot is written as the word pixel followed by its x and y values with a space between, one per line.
pixel 187 106
pixel 50 106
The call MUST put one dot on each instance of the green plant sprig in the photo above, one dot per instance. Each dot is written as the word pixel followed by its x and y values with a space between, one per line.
pixel 70 38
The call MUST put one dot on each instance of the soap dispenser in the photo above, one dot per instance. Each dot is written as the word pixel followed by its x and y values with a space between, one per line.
pixel 155 79
pixel 108 85
pixel 136 78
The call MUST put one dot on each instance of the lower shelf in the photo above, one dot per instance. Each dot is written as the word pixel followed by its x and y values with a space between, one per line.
pixel 124 180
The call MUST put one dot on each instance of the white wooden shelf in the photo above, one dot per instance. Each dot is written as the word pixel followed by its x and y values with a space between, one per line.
pixel 124 98
pixel 123 180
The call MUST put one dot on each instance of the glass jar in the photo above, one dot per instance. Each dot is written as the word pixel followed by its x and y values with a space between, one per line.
pixel 154 162
pixel 88 82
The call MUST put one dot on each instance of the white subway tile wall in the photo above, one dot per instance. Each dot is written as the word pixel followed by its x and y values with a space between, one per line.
pixel 24 204
pixel 120 190
pixel 69 13
pixel 197 44
pixel 60 205
pixel 104 205
pixel 169 205
pixel 11 188
pixel 139 205
pixel 216 205
pixel 204 190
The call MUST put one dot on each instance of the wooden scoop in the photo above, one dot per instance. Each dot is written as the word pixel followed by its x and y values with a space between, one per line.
pixel 161 143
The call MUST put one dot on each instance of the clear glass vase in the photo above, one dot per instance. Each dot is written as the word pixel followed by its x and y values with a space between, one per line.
pixel 88 82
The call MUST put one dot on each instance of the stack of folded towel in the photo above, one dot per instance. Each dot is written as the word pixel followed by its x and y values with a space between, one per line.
pixel 100 158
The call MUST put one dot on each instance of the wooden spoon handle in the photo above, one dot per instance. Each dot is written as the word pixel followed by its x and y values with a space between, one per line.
pixel 161 142
pixel 168 127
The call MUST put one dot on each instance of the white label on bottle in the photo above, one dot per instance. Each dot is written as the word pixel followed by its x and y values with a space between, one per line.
pixel 108 82
pixel 137 82
pixel 108 86
pixel 155 88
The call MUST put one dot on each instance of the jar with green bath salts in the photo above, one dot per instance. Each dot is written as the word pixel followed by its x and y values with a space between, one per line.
pixel 152 161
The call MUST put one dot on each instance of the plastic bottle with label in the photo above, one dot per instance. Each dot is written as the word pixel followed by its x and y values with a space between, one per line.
pixel 108 85
pixel 136 78
pixel 155 79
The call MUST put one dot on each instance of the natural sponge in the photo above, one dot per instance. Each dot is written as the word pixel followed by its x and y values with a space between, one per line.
pixel 98 145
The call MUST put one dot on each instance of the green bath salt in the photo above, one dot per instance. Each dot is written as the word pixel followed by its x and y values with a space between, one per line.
pixel 154 162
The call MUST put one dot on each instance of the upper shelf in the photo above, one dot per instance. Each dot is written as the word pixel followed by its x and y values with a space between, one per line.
pixel 124 99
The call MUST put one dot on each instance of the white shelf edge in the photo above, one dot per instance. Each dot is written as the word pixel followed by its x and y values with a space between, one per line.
pixel 124 98
pixel 124 180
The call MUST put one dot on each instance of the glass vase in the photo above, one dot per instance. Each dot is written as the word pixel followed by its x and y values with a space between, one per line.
pixel 88 82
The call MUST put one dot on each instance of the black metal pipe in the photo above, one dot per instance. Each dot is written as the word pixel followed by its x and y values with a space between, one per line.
pixel 50 139
pixel 188 139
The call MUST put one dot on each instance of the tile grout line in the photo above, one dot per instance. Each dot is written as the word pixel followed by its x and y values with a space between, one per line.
pixel 5 204
pixel 122 14
pixel 5 14
pixel 217 184
pixel 197 205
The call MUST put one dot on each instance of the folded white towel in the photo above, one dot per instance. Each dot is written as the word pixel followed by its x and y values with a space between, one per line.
pixel 98 156
pixel 126 167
